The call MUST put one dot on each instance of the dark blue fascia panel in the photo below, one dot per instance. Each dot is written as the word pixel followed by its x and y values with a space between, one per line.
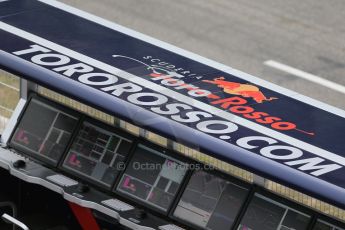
pixel 101 43
pixel 209 145
pixel 15 7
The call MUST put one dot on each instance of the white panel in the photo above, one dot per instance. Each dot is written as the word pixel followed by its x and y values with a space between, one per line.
pixel 62 180
pixel 117 205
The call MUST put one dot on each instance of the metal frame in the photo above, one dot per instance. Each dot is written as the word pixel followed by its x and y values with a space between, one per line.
pixel 118 132
pixel 26 87
pixel 254 188
pixel 169 153
pixel 13 207
pixel 48 103
pixel 14 221
pixel 229 178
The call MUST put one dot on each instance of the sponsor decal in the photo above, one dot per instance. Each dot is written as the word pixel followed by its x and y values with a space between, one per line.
pixel 244 90
pixel 170 76
pixel 184 112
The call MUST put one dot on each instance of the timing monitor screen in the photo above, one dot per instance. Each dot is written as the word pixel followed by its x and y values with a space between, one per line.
pixel 321 225
pixel 152 178
pixel 210 202
pixel 263 213
pixel 97 154
pixel 43 131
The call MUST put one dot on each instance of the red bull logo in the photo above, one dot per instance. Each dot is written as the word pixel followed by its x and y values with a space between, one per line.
pixel 244 90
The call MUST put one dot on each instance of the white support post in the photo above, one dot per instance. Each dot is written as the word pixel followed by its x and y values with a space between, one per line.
pixel 258 180
pixel 25 88
pixel 143 133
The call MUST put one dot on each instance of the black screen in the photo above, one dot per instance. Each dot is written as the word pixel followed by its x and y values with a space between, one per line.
pixel 320 225
pixel 210 202
pixel 264 214
pixel 152 177
pixel 43 131
pixel 97 154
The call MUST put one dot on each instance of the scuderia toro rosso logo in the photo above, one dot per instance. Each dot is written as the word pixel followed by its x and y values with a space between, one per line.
pixel 235 96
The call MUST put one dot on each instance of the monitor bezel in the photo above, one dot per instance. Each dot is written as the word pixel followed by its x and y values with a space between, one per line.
pixel 218 173
pixel 30 154
pixel 109 128
pixel 281 200
pixel 170 153
pixel 324 218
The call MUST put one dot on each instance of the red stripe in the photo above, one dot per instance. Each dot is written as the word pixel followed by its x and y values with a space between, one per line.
pixel 85 217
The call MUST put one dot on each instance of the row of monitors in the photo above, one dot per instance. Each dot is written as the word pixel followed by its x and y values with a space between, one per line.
pixel 149 176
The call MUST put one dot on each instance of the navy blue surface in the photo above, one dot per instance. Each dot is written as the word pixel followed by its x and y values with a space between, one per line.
pixel 101 43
